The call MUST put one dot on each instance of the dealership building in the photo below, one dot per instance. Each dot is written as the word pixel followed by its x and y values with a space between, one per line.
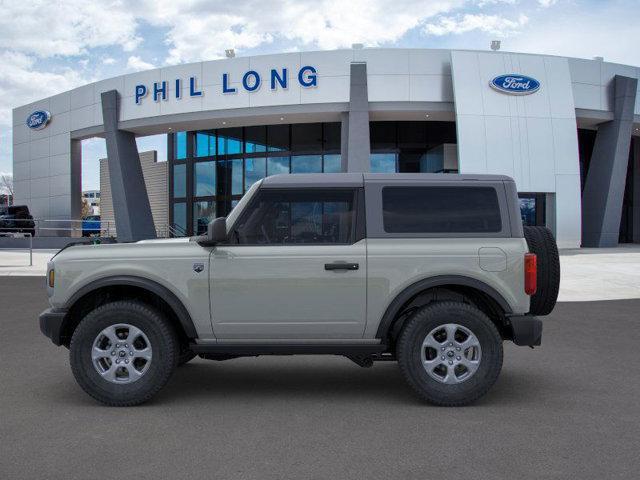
pixel 566 129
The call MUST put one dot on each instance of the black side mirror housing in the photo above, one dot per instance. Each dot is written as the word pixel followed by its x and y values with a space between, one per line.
pixel 217 230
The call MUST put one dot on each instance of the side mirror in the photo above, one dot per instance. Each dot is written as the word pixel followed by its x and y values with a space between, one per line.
pixel 217 230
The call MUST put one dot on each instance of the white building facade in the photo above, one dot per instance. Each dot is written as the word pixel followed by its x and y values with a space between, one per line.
pixel 564 128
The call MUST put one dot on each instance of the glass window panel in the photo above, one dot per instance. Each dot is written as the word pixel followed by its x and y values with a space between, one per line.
pixel 332 164
pixel 412 134
pixel 332 136
pixel 306 164
pixel 229 141
pixel 528 210
pixel 179 180
pixel 277 165
pixel 255 139
pixel 180 218
pixel 298 217
pixel 180 146
pixel 383 162
pixel 203 213
pixel 278 137
pixel 383 135
pixel 306 137
pixel 254 170
pixel 236 177
pixel 205 144
pixel 440 210
pixel 204 179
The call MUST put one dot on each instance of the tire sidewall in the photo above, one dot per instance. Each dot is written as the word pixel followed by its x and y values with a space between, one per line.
pixel 141 316
pixel 429 318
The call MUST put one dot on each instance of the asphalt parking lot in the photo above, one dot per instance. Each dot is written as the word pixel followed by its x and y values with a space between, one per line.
pixel 569 409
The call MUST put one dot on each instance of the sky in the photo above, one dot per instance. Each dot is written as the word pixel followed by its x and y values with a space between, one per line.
pixel 48 47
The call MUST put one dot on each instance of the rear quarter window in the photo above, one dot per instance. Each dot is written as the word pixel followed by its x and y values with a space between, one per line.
pixel 441 209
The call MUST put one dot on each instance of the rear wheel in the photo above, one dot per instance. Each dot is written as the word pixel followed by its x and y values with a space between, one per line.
pixel 123 353
pixel 450 353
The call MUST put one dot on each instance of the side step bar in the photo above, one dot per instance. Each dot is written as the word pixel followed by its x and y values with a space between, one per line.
pixel 354 349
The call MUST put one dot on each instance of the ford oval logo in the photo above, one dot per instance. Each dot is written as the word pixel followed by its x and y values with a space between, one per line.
pixel 515 84
pixel 38 119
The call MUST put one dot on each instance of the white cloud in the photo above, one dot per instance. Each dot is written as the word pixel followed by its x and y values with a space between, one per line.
pixel 587 37
pixel 201 31
pixel 135 63
pixel 20 83
pixel 46 29
pixel 491 24
pixel 108 61
pixel 547 3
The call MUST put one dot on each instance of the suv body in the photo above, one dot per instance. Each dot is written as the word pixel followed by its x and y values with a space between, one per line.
pixel 318 263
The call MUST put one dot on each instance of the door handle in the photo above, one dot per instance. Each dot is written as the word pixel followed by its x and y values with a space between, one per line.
pixel 341 266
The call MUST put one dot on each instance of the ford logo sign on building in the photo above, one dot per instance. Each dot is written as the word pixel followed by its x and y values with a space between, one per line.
pixel 515 84
pixel 38 119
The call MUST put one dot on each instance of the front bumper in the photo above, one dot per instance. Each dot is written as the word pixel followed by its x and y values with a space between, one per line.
pixel 527 330
pixel 51 321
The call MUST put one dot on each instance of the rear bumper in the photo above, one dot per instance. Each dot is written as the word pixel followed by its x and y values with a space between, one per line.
pixel 51 321
pixel 527 330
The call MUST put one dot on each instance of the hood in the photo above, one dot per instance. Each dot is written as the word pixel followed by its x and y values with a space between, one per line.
pixel 166 240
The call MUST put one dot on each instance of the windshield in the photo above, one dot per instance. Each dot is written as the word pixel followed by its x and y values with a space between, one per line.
pixel 233 215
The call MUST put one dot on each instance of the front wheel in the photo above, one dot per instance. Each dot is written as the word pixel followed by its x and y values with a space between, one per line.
pixel 123 353
pixel 450 353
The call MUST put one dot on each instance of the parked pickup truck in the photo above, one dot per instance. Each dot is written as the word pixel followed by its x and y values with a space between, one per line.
pixel 433 271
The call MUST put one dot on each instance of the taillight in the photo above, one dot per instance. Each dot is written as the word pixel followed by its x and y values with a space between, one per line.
pixel 530 273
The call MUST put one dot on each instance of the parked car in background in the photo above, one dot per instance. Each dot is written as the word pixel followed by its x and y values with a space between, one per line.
pixel 91 225
pixel 17 219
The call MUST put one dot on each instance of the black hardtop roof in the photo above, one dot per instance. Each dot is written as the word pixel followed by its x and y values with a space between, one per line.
pixel 359 179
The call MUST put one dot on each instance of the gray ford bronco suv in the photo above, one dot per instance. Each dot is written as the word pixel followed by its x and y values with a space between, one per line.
pixel 432 270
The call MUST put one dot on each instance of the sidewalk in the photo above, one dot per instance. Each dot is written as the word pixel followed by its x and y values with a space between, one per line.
pixel 15 262
pixel 588 274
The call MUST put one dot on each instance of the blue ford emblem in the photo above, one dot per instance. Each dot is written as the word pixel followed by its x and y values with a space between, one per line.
pixel 38 119
pixel 515 84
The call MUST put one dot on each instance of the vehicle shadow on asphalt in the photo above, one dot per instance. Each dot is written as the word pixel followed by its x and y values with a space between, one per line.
pixel 246 380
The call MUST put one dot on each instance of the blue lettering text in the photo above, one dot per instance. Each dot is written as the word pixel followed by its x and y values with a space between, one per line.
pixel 275 77
pixel 250 87
pixel 192 88
pixel 225 84
pixel 141 91
pixel 309 80
pixel 157 90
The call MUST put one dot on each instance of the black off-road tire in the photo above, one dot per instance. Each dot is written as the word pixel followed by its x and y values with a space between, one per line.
pixel 162 338
pixel 185 355
pixel 409 346
pixel 541 242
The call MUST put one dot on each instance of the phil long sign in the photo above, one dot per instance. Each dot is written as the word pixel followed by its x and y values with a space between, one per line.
pixel 250 81
pixel 515 84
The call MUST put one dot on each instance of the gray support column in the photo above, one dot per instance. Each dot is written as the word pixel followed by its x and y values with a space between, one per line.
pixel 358 146
pixel 344 141
pixel 636 190
pixel 129 193
pixel 604 187
pixel 76 186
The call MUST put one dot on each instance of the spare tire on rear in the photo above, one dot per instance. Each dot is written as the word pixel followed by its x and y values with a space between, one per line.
pixel 541 242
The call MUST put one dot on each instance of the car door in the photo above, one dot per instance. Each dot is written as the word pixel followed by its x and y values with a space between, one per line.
pixel 294 267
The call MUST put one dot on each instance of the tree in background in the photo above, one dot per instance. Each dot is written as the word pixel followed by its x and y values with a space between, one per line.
pixel 6 186
pixel 86 208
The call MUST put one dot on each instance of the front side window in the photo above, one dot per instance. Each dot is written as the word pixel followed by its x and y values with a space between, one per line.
pixel 435 209
pixel 293 217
